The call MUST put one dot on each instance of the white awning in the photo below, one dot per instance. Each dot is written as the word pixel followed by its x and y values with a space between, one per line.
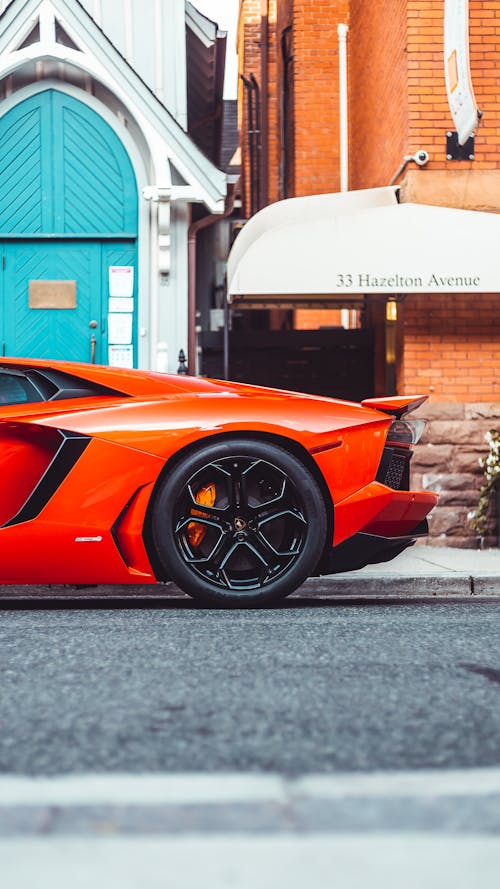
pixel 337 248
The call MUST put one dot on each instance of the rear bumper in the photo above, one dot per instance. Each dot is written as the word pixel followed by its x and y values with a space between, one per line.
pixel 367 549
pixel 404 512
pixel 380 510
pixel 387 521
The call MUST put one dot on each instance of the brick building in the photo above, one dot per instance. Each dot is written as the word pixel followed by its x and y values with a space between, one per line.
pixel 443 344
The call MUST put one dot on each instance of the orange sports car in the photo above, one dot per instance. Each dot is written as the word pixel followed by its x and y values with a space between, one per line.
pixel 236 493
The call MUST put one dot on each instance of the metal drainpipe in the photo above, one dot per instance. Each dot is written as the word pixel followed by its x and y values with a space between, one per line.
pixel 250 134
pixel 287 59
pixel 257 143
pixel 193 230
pixel 343 108
pixel 264 65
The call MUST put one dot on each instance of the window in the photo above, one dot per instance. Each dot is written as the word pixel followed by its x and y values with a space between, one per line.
pixel 16 389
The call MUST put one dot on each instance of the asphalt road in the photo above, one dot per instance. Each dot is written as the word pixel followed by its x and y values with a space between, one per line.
pixel 294 690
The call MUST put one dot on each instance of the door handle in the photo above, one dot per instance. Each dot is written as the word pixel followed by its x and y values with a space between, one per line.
pixel 93 341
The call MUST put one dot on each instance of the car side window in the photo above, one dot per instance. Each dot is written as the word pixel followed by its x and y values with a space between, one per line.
pixel 16 389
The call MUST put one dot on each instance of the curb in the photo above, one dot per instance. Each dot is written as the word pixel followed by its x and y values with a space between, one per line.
pixel 340 586
pixel 382 586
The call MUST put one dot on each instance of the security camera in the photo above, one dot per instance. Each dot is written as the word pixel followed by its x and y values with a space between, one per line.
pixel 421 158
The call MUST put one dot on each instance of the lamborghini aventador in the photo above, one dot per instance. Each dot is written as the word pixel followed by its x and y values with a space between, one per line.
pixel 236 493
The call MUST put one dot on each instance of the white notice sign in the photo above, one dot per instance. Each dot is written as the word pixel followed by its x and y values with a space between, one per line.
pixel 121 280
pixel 121 304
pixel 120 329
pixel 120 356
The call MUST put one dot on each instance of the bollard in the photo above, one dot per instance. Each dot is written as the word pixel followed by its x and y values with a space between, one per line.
pixel 182 369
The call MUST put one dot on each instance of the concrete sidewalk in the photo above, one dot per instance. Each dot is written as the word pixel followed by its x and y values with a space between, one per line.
pixel 419 572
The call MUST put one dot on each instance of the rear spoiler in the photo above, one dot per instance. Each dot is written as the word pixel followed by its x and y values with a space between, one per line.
pixel 396 405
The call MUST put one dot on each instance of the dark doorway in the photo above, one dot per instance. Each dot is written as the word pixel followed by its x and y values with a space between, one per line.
pixel 333 362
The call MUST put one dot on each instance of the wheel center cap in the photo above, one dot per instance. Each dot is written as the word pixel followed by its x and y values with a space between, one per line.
pixel 239 524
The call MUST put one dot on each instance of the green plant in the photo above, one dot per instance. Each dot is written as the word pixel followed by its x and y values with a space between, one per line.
pixel 491 469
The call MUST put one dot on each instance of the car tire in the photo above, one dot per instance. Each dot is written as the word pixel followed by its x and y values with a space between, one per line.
pixel 238 523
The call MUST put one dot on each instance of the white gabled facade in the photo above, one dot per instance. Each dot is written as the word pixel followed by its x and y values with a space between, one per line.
pixel 150 36
pixel 126 60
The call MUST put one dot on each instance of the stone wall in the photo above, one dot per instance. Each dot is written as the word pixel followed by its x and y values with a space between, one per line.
pixel 446 460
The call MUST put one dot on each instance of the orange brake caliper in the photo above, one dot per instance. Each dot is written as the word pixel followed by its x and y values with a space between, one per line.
pixel 196 532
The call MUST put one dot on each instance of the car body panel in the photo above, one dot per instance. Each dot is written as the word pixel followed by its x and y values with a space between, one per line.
pixel 386 513
pixel 71 539
pixel 80 473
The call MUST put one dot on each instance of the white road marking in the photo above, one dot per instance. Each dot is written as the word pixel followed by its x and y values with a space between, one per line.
pixel 189 788
pixel 429 783
pixel 150 789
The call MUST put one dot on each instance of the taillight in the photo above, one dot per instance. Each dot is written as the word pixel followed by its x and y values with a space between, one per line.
pixel 405 432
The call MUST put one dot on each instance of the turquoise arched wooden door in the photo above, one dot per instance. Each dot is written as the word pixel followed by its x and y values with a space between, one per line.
pixel 68 214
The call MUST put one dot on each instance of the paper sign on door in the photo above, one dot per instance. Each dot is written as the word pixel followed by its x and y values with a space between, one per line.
pixel 119 329
pixel 120 356
pixel 121 280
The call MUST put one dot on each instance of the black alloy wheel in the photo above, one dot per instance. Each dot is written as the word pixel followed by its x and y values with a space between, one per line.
pixel 239 523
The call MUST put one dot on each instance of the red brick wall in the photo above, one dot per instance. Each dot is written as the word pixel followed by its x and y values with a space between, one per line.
pixel 317 94
pixel 451 347
pixel 398 100
pixel 485 68
pixel 378 91
pixel 397 89
pixel 429 115
pixel 316 88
